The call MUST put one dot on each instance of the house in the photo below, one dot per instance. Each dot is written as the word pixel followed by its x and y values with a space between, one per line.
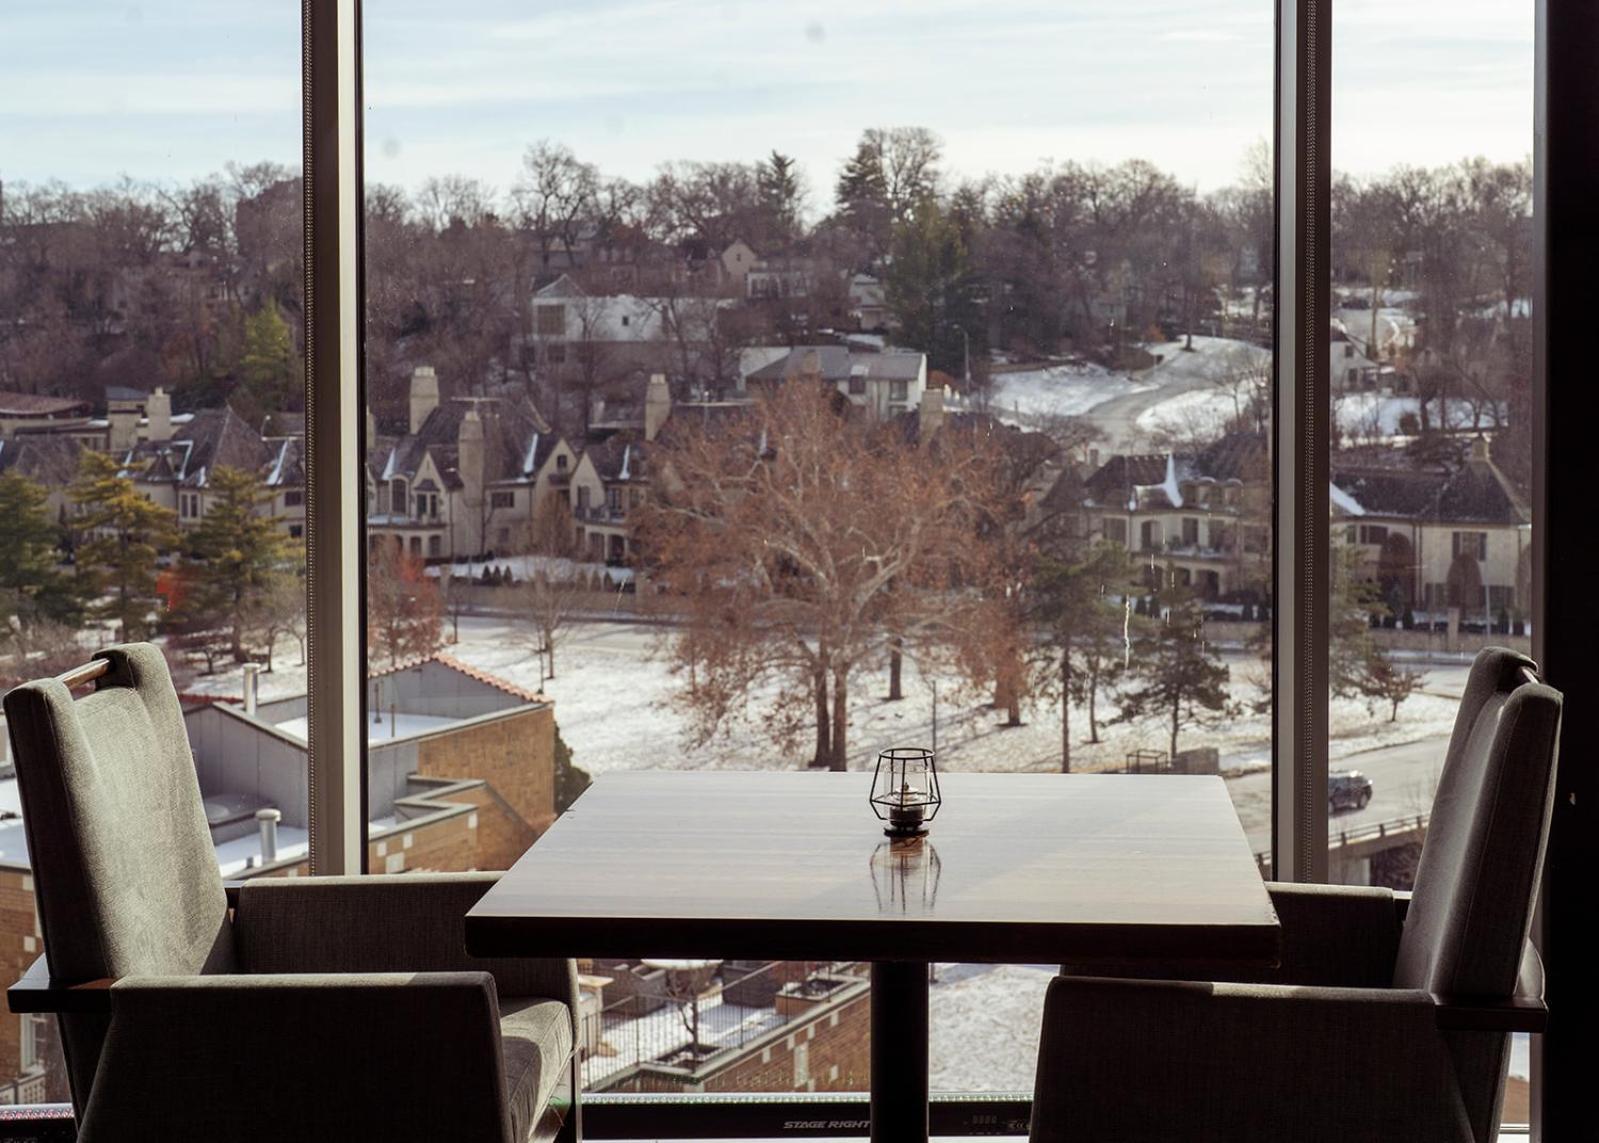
pixel 1437 537
pixel 469 476
pixel 598 339
pixel 885 384
pixel 172 463
pixel 868 302
pixel 1203 516
pixel 1349 369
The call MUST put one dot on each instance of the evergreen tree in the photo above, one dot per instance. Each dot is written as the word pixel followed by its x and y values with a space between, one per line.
pixel 238 559
pixel 570 779
pixel 124 534
pixel 32 582
pixel 929 287
pixel 777 182
pixel 1175 673
pixel 269 369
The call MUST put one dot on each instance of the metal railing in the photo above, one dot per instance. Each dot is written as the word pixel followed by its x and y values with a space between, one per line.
pixel 1402 830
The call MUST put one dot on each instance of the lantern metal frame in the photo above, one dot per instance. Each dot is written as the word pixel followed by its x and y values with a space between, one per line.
pixel 907 812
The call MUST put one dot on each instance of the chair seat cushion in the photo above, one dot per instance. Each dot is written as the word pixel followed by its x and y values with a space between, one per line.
pixel 536 1041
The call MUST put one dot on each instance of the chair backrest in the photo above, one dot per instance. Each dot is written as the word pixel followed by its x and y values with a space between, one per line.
pixel 125 873
pixel 1480 866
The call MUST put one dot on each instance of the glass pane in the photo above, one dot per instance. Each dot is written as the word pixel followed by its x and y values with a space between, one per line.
pixel 151 477
pixel 1431 356
pixel 616 255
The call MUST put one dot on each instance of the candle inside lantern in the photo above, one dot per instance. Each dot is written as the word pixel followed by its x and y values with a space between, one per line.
pixel 905 791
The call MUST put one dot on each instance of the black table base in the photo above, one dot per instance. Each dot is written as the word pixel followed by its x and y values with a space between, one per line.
pixel 899 1052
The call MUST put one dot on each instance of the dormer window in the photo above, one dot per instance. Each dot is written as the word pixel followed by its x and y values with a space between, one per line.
pixel 397 498
pixel 560 463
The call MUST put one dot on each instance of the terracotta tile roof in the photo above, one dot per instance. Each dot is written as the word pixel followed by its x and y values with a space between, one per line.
pixel 471 672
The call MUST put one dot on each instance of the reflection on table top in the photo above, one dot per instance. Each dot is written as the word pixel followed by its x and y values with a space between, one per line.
pixel 1017 867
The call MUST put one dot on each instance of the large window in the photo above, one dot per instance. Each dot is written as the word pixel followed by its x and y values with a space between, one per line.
pixel 613 251
pixel 1431 454
pixel 604 278
pixel 151 404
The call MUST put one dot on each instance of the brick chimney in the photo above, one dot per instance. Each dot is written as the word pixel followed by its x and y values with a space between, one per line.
pixel 657 405
pixel 424 395
pixel 158 414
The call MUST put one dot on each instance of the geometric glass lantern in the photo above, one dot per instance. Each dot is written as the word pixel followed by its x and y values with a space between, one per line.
pixel 905 791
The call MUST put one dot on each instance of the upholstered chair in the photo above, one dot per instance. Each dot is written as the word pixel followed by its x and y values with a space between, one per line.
pixel 1386 1018
pixel 305 1008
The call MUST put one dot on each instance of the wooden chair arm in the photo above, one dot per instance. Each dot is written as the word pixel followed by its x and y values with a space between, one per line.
pixel 36 992
pixel 1523 1012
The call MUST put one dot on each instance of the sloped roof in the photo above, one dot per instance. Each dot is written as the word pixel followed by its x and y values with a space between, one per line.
pixel 510 429
pixel 213 438
pixel 1237 456
pixel 48 459
pixel 1474 492
pixel 837 363
pixel 1113 482
pixel 39 405
pixel 622 457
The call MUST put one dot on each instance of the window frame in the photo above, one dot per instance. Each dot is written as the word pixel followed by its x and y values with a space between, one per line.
pixel 1566 180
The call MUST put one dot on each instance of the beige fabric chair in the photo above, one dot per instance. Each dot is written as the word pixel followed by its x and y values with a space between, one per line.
pixel 313 1009
pixel 1381 1022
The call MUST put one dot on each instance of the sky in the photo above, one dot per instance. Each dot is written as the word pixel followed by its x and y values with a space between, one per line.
pixel 171 90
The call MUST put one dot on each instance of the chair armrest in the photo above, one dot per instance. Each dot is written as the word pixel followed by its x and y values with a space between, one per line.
pixel 309 1057
pixel 1341 936
pixel 1523 1012
pixel 36 992
pixel 1124 1059
pixel 413 922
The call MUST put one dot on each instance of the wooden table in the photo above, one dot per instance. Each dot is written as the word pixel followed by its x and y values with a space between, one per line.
pixel 1017 868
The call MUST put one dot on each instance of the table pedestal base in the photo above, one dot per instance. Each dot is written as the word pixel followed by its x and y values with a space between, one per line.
pixel 899 1052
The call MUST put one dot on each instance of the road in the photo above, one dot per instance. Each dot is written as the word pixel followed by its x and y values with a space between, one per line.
pixel 1402 777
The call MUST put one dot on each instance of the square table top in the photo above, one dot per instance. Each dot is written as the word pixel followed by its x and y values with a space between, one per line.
pixel 793 865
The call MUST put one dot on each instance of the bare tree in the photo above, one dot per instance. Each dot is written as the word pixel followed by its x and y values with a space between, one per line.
pixel 800 542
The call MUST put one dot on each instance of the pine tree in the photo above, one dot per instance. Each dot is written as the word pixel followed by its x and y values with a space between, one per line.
pixel 238 559
pixel 124 534
pixel 1175 673
pixel 777 181
pixel 32 582
pixel 269 368
pixel 928 285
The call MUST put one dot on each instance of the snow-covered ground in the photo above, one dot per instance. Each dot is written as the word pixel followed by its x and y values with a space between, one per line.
pixel 1059 390
pixel 614 701
pixel 617 704
pixel 1202 413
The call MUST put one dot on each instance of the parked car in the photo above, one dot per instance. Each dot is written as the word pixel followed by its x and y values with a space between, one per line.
pixel 1347 790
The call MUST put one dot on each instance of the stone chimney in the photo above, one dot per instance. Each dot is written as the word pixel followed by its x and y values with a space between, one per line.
pixel 1479 451
pixel 469 463
pixel 371 428
pixel 930 416
pixel 657 405
pixel 158 412
pixel 424 395
pixel 124 427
